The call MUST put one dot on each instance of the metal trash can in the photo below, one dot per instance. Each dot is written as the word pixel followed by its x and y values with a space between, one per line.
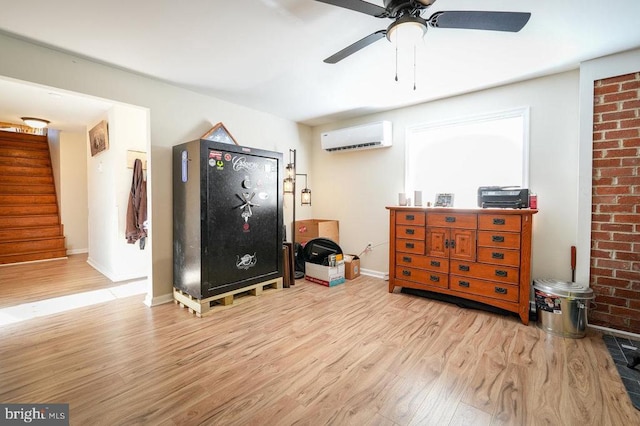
pixel 562 307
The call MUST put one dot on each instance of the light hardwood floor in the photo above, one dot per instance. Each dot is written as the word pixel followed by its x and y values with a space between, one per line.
pixel 348 355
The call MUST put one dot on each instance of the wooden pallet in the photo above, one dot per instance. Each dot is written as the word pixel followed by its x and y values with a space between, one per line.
pixel 204 307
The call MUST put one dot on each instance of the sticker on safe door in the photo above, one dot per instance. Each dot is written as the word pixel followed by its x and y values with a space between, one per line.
pixel 247 261
pixel 241 163
pixel 217 155
pixel 218 164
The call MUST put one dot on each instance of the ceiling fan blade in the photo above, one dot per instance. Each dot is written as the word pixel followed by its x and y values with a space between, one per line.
pixel 360 44
pixel 359 6
pixel 480 20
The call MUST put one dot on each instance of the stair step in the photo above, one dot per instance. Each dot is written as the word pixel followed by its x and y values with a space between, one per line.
pixel 25 161
pixel 27 180
pixel 33 256
pixel 27 209
pixel 23 139
pixel 27 189
pixel 28 221
pixel 30 146
pixel 31 245
pixel 11 151
pixel 28 199
pixel 26 171
pixel 10 234
pixel 20 151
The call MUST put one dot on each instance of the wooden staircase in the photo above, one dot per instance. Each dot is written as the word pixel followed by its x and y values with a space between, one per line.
pixel 30 227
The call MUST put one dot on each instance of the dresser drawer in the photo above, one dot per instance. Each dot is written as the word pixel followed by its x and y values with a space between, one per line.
pixel 453 220
pixel 422 262
pixel 437 264
pixel 410 232
pixel 499 256
pixel 410 246
pixel 499 222
pixel 507 240
pixel 410 218
pixel 483 271
pixel 484 288
pixel 421 276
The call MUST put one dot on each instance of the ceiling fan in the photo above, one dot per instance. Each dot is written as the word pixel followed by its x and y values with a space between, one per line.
pixel 407 14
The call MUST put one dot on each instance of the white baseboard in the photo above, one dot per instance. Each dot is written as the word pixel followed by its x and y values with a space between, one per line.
pixel 607 330
pixel 376 274
pixel 77 251
pixel 158 300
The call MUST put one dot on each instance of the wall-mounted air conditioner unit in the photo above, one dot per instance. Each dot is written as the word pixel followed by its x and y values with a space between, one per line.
pixel 365 136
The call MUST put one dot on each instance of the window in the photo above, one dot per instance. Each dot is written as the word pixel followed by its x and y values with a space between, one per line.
pixel 459 156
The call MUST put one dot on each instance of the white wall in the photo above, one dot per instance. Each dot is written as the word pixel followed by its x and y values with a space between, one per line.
pixel 130 130
pixel 109 185
pixel 103 214
pixel 72 194
pixel 355 187
pixel 176 115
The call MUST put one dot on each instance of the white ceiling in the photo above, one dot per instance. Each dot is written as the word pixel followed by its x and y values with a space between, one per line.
pixel 267 54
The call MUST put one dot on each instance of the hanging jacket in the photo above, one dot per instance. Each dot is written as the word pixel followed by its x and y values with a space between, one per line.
pixel 137 208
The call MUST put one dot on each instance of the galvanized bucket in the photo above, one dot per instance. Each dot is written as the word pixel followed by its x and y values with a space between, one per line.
pixel 562 307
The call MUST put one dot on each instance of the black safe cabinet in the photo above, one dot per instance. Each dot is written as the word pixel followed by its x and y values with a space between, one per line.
pixel 227 217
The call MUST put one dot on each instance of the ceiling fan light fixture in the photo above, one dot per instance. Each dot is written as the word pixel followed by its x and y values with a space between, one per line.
pixel 408 31
pixel 36 123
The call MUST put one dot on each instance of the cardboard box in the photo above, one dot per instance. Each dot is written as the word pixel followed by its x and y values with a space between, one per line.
pixel 351 266
pixel 324 275
pixel 317 228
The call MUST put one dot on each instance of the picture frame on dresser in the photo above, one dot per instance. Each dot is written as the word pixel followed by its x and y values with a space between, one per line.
pixel 444 200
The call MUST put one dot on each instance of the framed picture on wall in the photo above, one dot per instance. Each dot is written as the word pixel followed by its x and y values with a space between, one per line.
pixel 219 133
pixel 99 138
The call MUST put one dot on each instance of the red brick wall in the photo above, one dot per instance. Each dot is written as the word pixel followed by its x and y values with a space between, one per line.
pixel 615 224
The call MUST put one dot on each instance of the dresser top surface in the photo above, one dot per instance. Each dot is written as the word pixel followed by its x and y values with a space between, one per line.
pixel 451 210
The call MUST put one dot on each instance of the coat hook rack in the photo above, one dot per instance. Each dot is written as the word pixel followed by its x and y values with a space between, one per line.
pixel 133 155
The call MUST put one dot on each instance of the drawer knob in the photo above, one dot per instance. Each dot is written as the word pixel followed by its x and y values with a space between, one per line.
pixel 434 278
pixel 435 263
pixel 500 273
pixel 463 284
pixel 410 231
pixel 409 217
pixel 406 259
pixel 501 290
pixel 496 255
pixel 497 239
pixel 409 245
pixel 450 219
pixel 497 221
pixel 406 273
pixel 463 268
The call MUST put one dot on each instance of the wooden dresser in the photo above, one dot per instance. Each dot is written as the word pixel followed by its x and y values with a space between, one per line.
pixel 477 254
